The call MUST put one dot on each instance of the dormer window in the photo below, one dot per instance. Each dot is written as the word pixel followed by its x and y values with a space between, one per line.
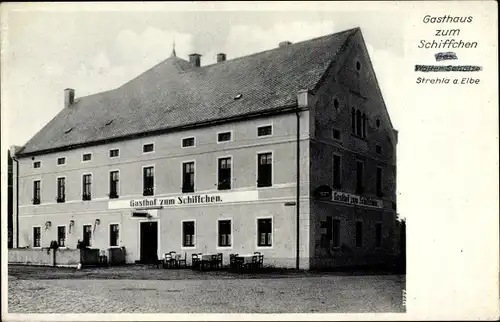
pixel 37 164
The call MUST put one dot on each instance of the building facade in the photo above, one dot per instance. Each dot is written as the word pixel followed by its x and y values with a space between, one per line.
pixel 289 152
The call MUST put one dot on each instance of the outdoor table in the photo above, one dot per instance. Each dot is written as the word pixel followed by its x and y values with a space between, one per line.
pixel 247 258
pixel 207 257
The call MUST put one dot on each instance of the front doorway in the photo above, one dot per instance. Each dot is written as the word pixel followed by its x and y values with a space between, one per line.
pixel 149 242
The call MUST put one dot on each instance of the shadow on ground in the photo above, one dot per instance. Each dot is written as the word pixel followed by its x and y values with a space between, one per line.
pixel 151 272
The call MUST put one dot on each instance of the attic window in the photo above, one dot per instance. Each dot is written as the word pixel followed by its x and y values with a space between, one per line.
pixel 68 130
pixel 109 122
pixel 237 97
pixel 336 103
pixel 358 66
pixel 378 123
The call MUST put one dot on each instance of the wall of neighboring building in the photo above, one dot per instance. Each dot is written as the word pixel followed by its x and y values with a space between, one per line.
pixel 10 200
pixel 167 160
pixel 343 88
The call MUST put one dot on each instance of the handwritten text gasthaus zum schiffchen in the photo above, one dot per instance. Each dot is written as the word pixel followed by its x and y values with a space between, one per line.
pixel 447 44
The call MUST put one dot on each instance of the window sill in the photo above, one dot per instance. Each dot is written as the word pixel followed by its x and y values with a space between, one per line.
pixel 188 247
pixel 264 247
pixel 224 247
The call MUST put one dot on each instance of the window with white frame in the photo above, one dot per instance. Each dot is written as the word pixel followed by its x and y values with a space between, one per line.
pixel 114 153
pixel 61 189
pixel 224 173
pixel 37 235
pixel 87 187
pixel 148 181
pixel 265 232
pixel 114 235
pixel 148 148
pixel 36 192
pixel 61 236
pixel 224 232
pixel 188 234
pixel 87 235
pixel 188 142
pixel 224 137
pixel 265 130
pixel 264 169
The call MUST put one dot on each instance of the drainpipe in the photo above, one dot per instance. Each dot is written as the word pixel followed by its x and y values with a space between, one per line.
pixel 17 201
pixel 297 206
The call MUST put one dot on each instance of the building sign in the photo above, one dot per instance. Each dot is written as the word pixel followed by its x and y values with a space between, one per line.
pixel 323 192
pixel 352 199
pixel 183 200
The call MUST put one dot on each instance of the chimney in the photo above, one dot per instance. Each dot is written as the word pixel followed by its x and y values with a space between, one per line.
pixel 195 60
pixel 14 150
pixel 284 44
pixel 303 98
pixel 221 57
pixel 69 97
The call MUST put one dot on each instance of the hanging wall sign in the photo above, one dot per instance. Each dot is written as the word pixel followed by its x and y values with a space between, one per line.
pixel 352 199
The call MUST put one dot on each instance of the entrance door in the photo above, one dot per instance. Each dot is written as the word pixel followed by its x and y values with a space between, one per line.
pixel 149 242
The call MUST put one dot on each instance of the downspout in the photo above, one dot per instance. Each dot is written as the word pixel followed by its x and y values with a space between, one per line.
pixel 297 206
pixel 17 201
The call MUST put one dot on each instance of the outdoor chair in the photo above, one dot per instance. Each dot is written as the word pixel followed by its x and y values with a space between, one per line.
pixel 214 261
pixel 195 261
pixel 254 263
pixel 174 260
pixel 232 261
pixel 182 261
pixel 256 253
pixel 169 262
pixel 261 261
pixel 240 262
pixel 219 260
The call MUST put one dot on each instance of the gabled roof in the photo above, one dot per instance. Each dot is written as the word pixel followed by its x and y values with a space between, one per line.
pixel 173 94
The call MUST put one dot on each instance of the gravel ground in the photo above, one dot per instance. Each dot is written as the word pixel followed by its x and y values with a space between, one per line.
pixel 184 291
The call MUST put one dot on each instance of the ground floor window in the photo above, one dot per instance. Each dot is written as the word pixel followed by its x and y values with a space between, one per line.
pixel 188 234
pixel 264 232
pixel 224 233
pixel 359 234
pixel 378 234
pixel 114 231
pixel 61 236
pixel 37 234
pixel 87 235
pixel 336 233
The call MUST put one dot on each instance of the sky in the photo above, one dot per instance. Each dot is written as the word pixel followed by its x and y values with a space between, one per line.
pixel 46 51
